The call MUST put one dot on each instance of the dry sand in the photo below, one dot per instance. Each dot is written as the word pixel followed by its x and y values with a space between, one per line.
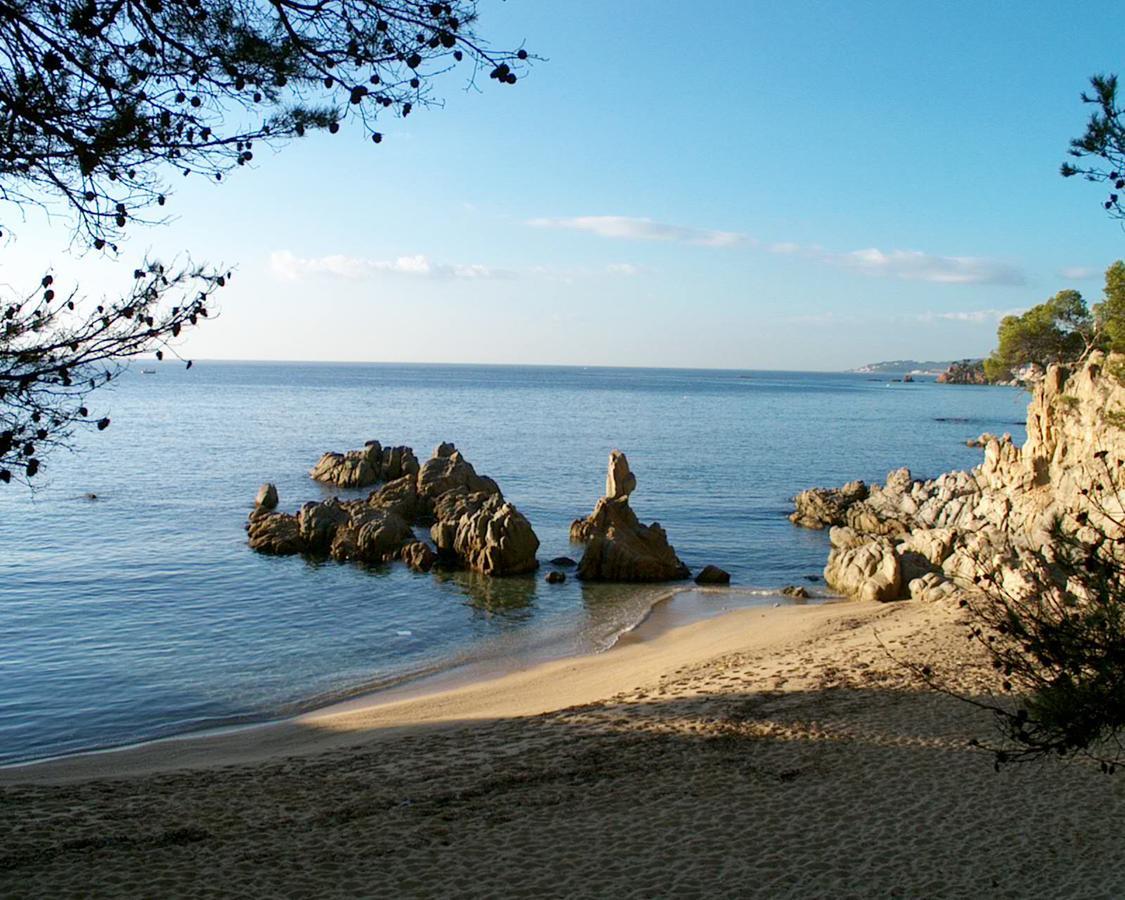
pixel 769 753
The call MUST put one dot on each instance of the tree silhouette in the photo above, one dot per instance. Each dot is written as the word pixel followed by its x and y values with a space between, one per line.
pixel 1102 148
pixel 101 101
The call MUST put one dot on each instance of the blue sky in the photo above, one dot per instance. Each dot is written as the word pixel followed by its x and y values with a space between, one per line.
pixel 729 184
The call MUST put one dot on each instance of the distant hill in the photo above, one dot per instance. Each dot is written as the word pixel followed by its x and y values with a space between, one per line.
pixel 903 367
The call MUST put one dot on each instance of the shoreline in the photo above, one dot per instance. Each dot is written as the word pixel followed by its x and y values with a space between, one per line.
pixel 492 688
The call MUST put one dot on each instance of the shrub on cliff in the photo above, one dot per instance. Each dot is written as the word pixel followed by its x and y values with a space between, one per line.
pixel 1056 634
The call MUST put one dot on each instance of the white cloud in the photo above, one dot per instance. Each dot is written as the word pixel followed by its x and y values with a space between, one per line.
pixel 1078 273
pixel 913 265
pixel 289 267
pixel 642 229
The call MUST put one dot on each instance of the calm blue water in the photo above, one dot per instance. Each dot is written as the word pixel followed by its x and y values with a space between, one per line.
pixel 143 613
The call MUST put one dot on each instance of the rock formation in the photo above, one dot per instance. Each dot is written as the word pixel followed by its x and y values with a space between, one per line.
pixel 965 371
pixel 360 468
pixel 712 575
pixel 618 546
pixel 473 526
pixel 927 539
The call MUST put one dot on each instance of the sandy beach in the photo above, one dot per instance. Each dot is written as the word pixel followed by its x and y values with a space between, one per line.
pixel 772 752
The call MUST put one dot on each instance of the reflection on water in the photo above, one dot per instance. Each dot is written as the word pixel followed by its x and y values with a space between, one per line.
pixel 512 596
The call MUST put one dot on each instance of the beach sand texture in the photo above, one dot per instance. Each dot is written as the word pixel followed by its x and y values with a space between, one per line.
pixel 768 753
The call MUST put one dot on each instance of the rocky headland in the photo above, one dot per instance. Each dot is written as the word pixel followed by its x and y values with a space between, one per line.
pixel 926 540
pixel 471 525
pixel 618 546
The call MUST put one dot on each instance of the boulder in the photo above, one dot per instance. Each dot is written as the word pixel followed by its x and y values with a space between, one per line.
pixel 495 538
pixel 265 500
pixel 418 556
pixel 620 482
pixel 276 533
pixel 444 473
pixel 398 462
pixel 356 468
pixel 318 523
pixel 564 562
pixel 620 548
pixel 556 577
pixel 712 575
pixel 796 592
pixel 931 588
pixel 865 571
pixel 825 507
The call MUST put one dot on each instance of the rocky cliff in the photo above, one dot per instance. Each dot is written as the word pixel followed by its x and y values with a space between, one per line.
pixel 927 539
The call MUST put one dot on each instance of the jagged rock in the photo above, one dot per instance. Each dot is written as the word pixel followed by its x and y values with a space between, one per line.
pixel 824 507
pixel 266 499
pixel 619 481
pixel 496 539
pixel 356 468
pixel 444 473
pixel 473 526
pixel 318 523
pixel 276 533
pixel 399 496
pixel 620 548
pixel 555 577
pixel 418 556
pixel 963 525
pixel 863 569
pixel 796 592
pixel 712 575
pixel 398 462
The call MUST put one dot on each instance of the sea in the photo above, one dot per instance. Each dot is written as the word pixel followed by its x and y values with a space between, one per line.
pixel 143 614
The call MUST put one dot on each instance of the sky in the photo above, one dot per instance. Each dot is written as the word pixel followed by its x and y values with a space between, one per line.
pixel 738 184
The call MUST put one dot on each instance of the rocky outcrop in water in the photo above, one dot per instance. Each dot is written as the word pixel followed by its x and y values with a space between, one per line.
pixel 472 525
pixel 618 546
pixel 361 468
pixel 927 539
pixel 965 371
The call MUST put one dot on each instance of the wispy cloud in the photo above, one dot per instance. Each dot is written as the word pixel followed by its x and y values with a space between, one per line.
pixel 785 247
pixel 642 229
pixel 623 269
pixel 1078 273
pixel 976 316
pixel 913 265
pixel 289 267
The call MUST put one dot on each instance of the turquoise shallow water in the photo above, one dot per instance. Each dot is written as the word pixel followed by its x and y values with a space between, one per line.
pixel 143 613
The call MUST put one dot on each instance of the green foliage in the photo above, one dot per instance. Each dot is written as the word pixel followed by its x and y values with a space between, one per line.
pixel 1059 641
pixel 101 100
pixel 1112 309
pixel 1059 330
pixel 1101 150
